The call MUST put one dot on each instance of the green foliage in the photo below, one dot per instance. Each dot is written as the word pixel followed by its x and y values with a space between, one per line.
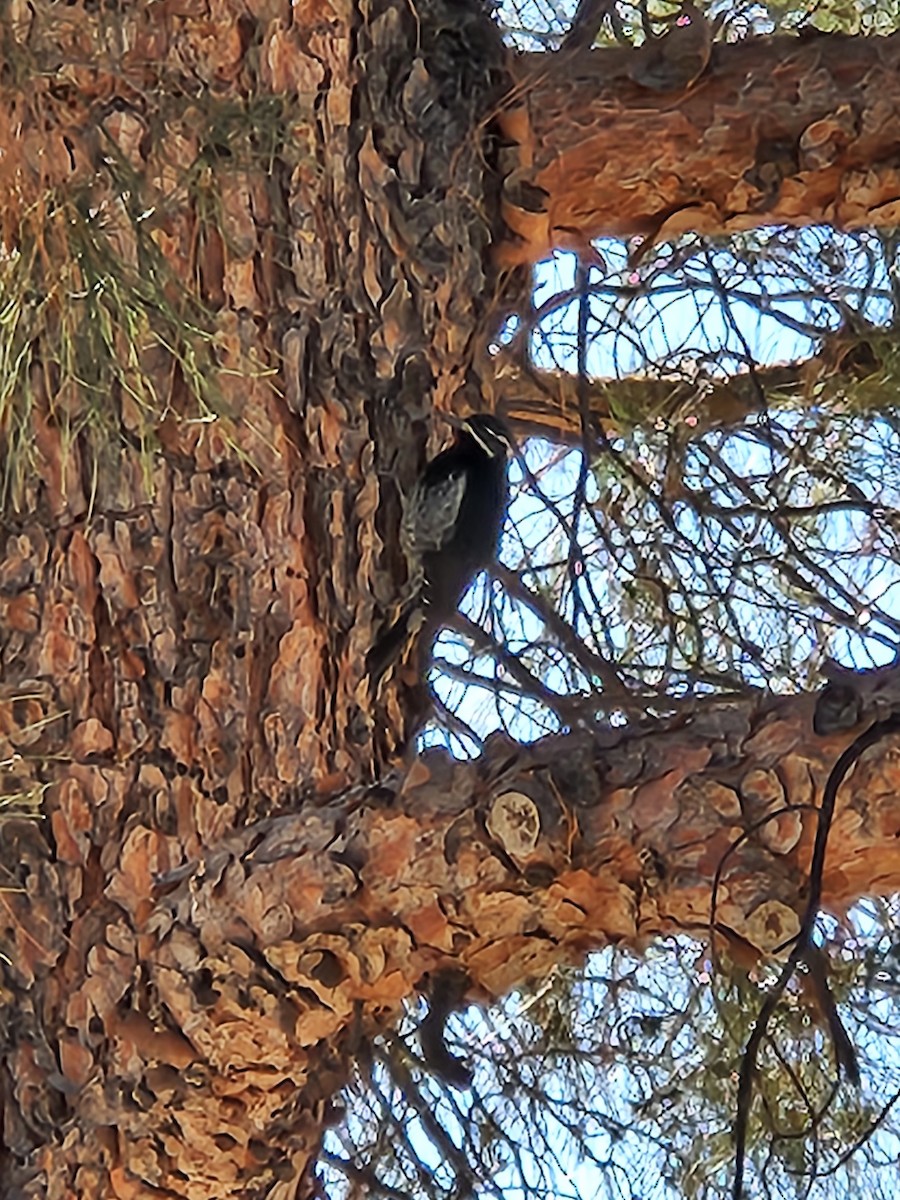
pixel 87 303
pixel 101 338
pixel 534 23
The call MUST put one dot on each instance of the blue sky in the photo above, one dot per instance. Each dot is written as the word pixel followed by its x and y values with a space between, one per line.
pixel 842 602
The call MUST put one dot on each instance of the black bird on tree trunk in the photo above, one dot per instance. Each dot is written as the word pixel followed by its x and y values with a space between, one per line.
pixel 450 530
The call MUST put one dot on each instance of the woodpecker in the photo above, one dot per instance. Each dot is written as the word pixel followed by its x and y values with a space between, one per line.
pixel 450 530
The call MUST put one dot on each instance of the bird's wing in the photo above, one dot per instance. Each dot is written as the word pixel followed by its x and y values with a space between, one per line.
pixel 430 516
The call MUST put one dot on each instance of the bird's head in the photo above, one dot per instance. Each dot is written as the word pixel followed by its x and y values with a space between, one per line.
pixel 489 431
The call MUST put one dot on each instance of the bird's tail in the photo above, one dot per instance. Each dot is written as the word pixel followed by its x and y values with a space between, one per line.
pixel 391 645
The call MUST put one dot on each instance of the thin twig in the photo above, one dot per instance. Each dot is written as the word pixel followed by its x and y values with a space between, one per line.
pixel 803 939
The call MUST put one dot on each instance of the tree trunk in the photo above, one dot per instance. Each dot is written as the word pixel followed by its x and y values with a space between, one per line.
pixel 236 880
pixel 184 654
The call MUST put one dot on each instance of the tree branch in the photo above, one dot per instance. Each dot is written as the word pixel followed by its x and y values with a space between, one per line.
pixel 546 404
pixel 802 947
pixel 277 952
pixel 586 24
pixel 600 155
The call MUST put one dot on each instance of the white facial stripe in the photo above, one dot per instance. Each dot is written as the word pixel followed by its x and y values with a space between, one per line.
pixel 481 442
pixel 490 449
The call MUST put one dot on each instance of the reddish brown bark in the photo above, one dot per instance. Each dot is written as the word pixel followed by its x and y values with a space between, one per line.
pixel 271 954
pixel 776 131
pixel 186 602
pixel 183 628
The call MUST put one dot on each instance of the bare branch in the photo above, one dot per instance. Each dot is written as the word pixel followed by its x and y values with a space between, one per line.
pixel 876 733
pixel 546 403
pixel 586 24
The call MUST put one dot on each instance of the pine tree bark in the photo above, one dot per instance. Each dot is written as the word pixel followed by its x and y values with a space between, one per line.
pixel 184 655
pixel 235 879
pixel 775 131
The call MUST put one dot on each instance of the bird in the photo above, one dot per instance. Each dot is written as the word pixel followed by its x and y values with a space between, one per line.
pixel 449 531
